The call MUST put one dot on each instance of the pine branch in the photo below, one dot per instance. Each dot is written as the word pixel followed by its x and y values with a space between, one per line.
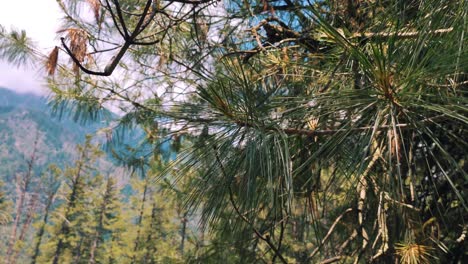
pixel 401 35
pixel 265 238
pixel 130 39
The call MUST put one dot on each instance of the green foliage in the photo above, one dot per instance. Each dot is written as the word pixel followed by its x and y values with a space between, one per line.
pixel 71 230
pixel 5 205
pixel 306 132
pixel 16 47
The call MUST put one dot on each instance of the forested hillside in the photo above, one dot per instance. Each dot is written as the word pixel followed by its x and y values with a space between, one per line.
pixel 272 131
pixel 26 123
pixel 58 187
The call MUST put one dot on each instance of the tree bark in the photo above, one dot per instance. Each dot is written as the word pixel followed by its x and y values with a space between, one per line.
pixel 183 233
pixel 22 188
pixel 41 231
pixel 26 224
pixel 140 220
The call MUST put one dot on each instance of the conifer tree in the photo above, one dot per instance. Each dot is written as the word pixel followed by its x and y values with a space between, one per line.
pixel 155 235
pixel 143 190
pixel 117 245
pixel 5 216
pixel 107 215
pixel 159 237
pixel 338 126
pixel 70 224
pixel 23 182
pixel 50 184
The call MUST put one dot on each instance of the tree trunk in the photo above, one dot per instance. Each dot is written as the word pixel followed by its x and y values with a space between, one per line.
pixel 150 235
pixel 77 257
pixel 19 209
pixel 26 224
pixel 100 226
pixel 140 219
pixel 183 233
pixel 41 231
pixel 22 188
pixel 64 230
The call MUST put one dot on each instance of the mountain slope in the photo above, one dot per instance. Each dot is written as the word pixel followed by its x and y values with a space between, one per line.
pixel 25 118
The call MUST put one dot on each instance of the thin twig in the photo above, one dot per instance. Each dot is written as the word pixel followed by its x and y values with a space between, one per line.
pixel 330 231
pixel 401 35
pixel 237 210
pixel 331 260
pixel 129 40
pixel 114 19
pixel 121 19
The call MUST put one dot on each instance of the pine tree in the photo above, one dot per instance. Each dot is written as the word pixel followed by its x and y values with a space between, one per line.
pixel 71 229
pixel 155 236
pixel 321 131
pixel 107 215
pixel 23 183
pixel 5 216
pixel 159 237
pixel 143 190
pixel 50 184
pixel 5 205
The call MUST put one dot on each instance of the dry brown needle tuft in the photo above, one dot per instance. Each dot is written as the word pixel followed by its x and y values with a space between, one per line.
pixel 52 59
pixel 96 7
pixel 78 39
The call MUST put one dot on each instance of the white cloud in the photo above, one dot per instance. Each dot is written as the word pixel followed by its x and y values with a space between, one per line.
pixel 40 19
pixel 21 80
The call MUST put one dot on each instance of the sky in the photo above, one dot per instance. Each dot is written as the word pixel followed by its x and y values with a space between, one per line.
pixel 40 19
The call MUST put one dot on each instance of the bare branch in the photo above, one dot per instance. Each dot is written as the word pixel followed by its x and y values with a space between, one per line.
pixel 121 19
pixel 109 68
pixel 113 16
pixel 129 40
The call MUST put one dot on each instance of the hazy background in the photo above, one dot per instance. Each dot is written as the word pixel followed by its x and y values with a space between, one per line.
pixel 40 19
